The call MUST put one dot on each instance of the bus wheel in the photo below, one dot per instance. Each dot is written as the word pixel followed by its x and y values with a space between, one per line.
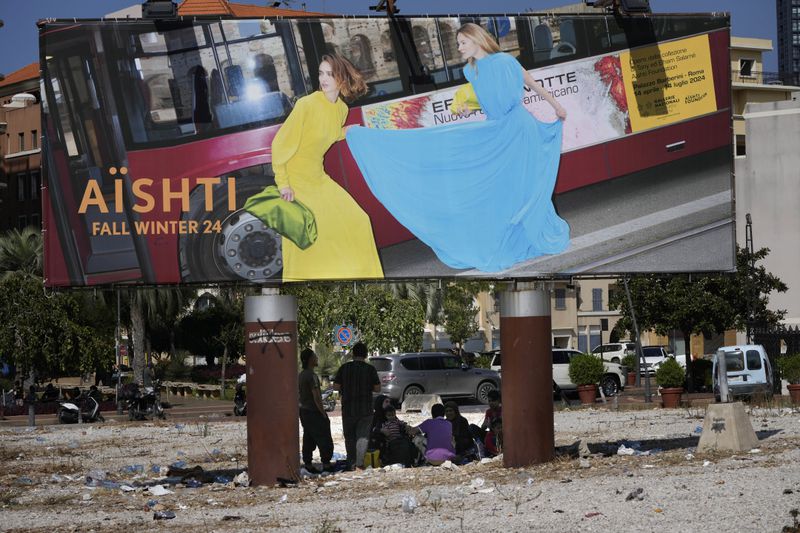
pixel 229 245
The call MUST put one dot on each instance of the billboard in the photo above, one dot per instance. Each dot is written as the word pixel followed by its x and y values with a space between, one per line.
pixel 338 149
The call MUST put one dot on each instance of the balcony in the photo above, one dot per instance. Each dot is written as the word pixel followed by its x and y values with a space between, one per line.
pixel 760 77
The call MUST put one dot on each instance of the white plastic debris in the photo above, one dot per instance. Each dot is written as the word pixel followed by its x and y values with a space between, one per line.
pixel 624 450
pixel 477 483
pixel 707 463
pixel 486 490
pixel 448 465
pixel 648 466
pixel 409 503
pixel 284 498
pixel 330 483
pixel 584 463
pixel 689 456
pixel 242 480
pixel 529 482
pixel 126 488
pixel 755 450
pixel 396 466
pixel 159 490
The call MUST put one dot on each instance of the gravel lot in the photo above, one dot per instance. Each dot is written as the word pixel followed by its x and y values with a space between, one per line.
pixel 666 484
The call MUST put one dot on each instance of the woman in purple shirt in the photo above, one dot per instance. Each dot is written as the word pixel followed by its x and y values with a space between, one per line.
pixel 439 434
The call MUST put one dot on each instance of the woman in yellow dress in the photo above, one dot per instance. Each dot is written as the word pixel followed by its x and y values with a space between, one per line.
pixel 345 246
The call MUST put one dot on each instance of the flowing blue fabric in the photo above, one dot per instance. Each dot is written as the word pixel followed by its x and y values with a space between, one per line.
pixel 479 193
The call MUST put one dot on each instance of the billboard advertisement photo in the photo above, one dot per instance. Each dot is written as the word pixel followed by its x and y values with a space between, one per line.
pixel 239 150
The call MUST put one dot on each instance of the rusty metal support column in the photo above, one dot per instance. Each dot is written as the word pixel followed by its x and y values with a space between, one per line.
pixel 525 340
pixel 273 448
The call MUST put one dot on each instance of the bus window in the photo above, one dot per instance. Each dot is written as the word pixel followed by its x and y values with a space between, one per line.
pixel 367 44
pixel 437 48
pixel 220 75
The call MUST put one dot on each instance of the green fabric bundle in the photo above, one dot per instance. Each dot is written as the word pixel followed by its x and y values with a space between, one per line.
pixel 293 220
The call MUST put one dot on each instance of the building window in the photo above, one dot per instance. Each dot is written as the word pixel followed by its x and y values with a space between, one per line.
pixel 36 184
pixel 34 140
pixel 741 148
pixel 746 67
pixel 22 222
pixel 561 298
pixel 597 299
pixel 21 187
pixel 21 142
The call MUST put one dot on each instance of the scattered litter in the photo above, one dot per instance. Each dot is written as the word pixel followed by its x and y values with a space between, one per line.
pixel 658 510
pixel 224 480
pixel 182 507
pixel 284 498
pixel 624 450
pixel 242 480
pixel 648 466
pixel 689 456
pixel 396 466
pixel 788 491
pixel 108 484
pixel 330 483
pixel 126 488
pixel 98 475
pixel 486 490
pixel 409 503
pixel 180 426
pixel 698 430
pixel 584 463
pixel 637 494
pixel 529 482
pixel 477 483
pixel 86 497
pixel 448 465
pixel 178 464
pixel 216 451
pixel 566 480
pixel 593 514
pixel 707 463
pixel 229 518
pixel 755 450
pixel 583 449
pixel 558 511
pixel 40 439
pixel 133 469
pixel 159 490
pixel 55 478
pixel 163 515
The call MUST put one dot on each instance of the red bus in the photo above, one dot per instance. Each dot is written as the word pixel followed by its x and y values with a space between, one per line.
pixel 158 131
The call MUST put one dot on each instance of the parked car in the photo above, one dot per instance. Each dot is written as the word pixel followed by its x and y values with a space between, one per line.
pixel 653 356
pixel 614 351
pixel 612 382
pixel 441 373
pixel 748 368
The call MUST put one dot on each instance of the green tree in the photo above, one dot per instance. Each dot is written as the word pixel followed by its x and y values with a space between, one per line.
pixel 21 251
pixel 701 304
pixel 460 311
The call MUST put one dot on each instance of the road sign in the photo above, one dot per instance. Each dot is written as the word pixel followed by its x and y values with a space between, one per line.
pixel 344 335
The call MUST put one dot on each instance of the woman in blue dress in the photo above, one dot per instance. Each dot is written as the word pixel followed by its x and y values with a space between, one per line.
pixel 479 193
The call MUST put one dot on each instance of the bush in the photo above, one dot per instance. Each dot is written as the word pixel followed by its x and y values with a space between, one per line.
pixel 670 374
pixel 629 362
pixel 585 369
pixel 789 366
pixel 211 374
pixel 701 374
pixel 483 361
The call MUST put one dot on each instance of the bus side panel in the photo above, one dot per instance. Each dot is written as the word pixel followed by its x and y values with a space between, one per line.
pixel 581 168
pixel 719 43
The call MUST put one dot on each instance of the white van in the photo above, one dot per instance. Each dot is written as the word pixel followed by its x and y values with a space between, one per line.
pixel 749 370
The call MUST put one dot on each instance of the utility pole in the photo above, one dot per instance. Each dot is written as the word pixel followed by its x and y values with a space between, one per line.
pixel 751 296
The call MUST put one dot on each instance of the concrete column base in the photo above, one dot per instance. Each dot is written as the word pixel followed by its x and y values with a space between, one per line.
pixel 727 427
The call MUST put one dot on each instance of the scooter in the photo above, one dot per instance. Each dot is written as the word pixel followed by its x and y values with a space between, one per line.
pixel 329 399
pixel 83 409
pixel 147 405
pixel 240 400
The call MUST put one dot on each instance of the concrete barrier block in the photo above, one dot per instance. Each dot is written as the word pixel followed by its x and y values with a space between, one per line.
pixel 727 427
pixel 421 403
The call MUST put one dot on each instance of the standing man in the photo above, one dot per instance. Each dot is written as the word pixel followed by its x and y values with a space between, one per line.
pixel 357 380
pixel 315 421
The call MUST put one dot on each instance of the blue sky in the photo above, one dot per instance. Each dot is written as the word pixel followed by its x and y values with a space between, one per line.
pixel 749 18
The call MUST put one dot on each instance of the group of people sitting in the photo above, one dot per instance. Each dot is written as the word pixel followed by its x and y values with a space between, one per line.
pixel 446 436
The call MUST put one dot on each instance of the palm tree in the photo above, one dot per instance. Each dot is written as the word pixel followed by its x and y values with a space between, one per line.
pixel 21 250
pixel 152 303
pixel 429 295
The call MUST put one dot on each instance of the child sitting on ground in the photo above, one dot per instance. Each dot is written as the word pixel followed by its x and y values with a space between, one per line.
pixel 494 438
pixel 399 447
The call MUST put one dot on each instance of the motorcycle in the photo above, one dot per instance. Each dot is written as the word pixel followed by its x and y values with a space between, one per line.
pixel 240 401
pixel 329 399
pixel 147 405
pixel 84 409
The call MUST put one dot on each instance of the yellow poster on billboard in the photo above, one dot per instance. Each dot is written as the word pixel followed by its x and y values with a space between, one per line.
pixel 669 82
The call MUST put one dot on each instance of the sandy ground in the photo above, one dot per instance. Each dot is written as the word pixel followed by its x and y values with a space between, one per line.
pixel 43 481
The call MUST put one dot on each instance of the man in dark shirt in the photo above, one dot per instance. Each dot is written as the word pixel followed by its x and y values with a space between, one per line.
pixel 357 380
pixel 315 421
